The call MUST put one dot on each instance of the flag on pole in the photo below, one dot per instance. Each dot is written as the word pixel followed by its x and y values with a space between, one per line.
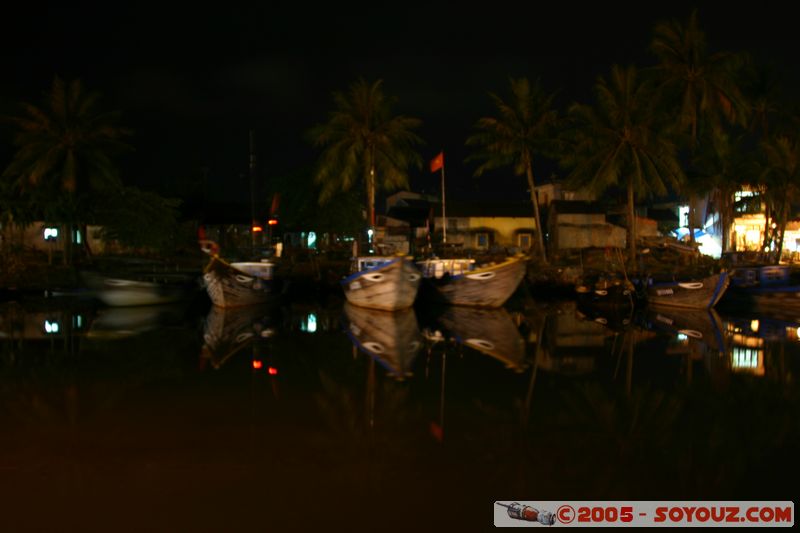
pixel 437 162
pixel 276 200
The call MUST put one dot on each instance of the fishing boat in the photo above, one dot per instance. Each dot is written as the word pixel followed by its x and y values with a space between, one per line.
pixel 462 282
pixel 388 283
pixel 606 290
pixel 137 289
pixel 764 288
pixel 240 283
pixel 691 294
pixel 390 338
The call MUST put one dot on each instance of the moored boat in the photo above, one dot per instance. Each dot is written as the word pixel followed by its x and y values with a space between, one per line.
pixel 606 290
pixel 239 284
pixel 461 282
pixel 764 288
pixel 692 294
pixel 138 289
pixel 388 283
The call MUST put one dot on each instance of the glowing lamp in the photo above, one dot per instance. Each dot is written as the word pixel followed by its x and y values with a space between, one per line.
pixel 257 364
pixel 272 371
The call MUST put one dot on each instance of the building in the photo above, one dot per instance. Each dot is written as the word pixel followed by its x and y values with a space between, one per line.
pixel 467 226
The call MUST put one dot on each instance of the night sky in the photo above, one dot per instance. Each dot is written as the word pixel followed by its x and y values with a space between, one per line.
pixel 191 82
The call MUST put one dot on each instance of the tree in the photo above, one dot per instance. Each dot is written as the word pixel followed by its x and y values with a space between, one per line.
pixel 723 165
pixel 621 142
pixel 65 149
pixel 701 87
pixel 763 91
pixel 299 207
pixel 140 219
pixel 522 130
pixel 364 142
pixel 781 179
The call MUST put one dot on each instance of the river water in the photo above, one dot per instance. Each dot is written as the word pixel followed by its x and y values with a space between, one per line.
pixel 317 415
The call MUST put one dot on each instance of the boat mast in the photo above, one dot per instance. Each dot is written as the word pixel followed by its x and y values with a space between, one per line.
pixel 253 221
pixel 444 216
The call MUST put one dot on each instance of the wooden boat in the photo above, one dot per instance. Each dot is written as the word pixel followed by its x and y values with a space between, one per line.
pixel 460 282
pixel 391 338
pixel 489 331
pixel 606 290
pixel 388 283
pixel 134 289
pixel 764 288
pixel 239 284
pixel 693 294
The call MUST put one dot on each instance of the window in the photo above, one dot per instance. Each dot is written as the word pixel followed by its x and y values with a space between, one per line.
pixel 50 234
pixel 481 240
pixel 524 241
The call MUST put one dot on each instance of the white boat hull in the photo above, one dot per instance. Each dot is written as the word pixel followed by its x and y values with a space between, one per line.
pixel 389 287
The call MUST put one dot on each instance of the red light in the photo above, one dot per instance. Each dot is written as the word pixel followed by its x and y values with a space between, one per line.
pixel 272 222
pixel 257 364
pixel 272 371
pixel 256 229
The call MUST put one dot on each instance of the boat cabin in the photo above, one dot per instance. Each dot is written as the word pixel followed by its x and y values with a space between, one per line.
pixel 369 262
pixel 263 270
pixel 437 268
pixel 763 276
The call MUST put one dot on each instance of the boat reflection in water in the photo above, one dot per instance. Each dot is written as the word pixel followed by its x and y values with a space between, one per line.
pixel 573 340
pixel 489 331
pixel 228 331
pixel 390 337
pixel 700 326
pixel 123 322
pixel 30 322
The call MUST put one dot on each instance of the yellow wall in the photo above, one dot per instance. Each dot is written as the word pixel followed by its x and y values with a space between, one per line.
pixel 505 229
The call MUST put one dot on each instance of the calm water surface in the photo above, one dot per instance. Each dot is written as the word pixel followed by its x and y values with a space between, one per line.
pixel 318 415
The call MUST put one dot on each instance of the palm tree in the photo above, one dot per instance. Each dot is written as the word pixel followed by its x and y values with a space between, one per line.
pixel 65 150
pixel 781 177
pixel 700 86
pixel 723 165
pixel 620 142
pixel 523 129
pixel 763 91
pixel 363 141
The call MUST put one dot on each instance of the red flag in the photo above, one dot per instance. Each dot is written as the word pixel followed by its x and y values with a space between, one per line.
pixel 437 162
pixel 276 200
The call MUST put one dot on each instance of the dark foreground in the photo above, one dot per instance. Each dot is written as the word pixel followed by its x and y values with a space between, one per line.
pixel 303 416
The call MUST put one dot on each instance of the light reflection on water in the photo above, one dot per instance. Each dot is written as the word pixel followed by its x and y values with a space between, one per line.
pixel 194 414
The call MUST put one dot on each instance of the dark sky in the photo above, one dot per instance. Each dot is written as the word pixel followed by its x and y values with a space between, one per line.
pixel 192 81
